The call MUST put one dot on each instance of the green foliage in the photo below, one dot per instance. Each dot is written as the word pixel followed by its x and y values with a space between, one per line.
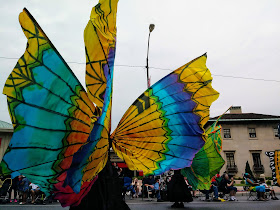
pixel 138 177
pixel 248 169
pixel 268 182
pixel 242 182
pixel 238 178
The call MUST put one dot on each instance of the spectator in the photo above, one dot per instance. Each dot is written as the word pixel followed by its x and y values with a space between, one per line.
pixel 157 187
pixel 190 188
pixel 268 189
pixel 23 188
pixel 255 186
pixel 128 185
pixel 15 188
pixel 136 187
pixel 213 188
pixel 116 169
pixel 35 189
pixel 229 187
pixel 149 182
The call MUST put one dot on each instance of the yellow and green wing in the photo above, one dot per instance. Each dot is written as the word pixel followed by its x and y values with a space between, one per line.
pixel 163 129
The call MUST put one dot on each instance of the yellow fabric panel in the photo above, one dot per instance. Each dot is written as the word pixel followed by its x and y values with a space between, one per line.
pixel 277 165
pixel 99 38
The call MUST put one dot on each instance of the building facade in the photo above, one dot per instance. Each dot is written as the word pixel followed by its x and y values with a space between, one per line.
pixel 6 132
pixel 246 137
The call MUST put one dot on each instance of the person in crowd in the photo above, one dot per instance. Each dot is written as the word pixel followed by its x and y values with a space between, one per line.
pixel 35 189
pixel 163 190
pixel 213 188
pixel 14 187
pixel 157 187
pixel 116 169
pixel 128 185
pixel 135 184
pixel 268 189
pixel 229 187
pixel 255 186
pixel 178 191
pixel 190 188
pixel 149 182
pixel 23 188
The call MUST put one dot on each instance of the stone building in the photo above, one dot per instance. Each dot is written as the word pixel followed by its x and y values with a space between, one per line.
pixel 6 132
pixel 246 137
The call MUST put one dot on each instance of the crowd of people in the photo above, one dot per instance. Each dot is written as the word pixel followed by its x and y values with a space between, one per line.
pixel 260 187
pixel 22 189
pixel 177 189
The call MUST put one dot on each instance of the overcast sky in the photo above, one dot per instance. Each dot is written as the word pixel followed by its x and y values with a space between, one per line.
pixel 241 39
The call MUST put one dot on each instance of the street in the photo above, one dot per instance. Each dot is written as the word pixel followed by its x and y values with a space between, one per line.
pixel 137 204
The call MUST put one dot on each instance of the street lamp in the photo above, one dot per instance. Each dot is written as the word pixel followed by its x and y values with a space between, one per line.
pixel 151 28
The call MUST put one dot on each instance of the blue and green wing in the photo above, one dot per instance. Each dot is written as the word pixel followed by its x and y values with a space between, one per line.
pixel 207 162
pixel 163 129
pixel 50 111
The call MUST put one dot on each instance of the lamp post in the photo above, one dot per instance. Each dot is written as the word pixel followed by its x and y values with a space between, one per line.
pixel 151 28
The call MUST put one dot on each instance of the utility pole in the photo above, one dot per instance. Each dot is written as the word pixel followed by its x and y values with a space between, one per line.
pixel 151 28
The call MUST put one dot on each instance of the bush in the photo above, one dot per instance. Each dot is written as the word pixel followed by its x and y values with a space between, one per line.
pixel 138 177
pixel 242 182
pixel 268 182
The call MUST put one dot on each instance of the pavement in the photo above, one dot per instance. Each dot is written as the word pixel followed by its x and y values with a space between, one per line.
pixel 198 203
pixel 139 204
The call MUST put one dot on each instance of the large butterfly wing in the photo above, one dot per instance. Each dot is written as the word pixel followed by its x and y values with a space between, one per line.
pixel 50 111
pixel 207 162
pixel 100 41
pixel 163 129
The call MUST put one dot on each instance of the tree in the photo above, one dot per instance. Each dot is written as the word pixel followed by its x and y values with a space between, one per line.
pixel 248 169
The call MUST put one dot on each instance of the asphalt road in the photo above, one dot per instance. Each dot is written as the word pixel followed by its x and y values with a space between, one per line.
pixel 148 205
pixel 212 205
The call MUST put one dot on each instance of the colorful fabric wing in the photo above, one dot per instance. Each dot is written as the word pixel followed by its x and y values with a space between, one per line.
pixel 100 44
pixel 274 157
pixel 50 111
pixel 100 41
pixel 217 131
pixel 217 138
pixel 207 162
pixel 66 195
pixel 163 129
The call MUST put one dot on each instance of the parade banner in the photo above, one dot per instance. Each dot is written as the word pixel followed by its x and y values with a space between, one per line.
pixel 274 157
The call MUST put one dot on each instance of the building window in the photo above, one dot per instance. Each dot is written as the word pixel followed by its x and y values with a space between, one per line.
pixel 257 159
pixel 275 130
pixel 258 167
pixel 252 133
pixel 227 134
pixel 230 159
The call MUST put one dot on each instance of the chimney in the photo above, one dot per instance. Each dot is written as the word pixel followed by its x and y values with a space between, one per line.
pixel 235 110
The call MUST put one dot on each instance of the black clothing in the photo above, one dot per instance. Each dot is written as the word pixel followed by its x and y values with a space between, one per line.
pixel 177 189
pixel 149 181
pixel 223 186
pixel 105 194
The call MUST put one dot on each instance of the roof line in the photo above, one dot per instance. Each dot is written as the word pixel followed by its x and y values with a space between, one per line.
pixel 266 119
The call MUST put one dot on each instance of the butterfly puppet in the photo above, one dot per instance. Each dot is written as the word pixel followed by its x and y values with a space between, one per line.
pixel 208 161
pixel 62 132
